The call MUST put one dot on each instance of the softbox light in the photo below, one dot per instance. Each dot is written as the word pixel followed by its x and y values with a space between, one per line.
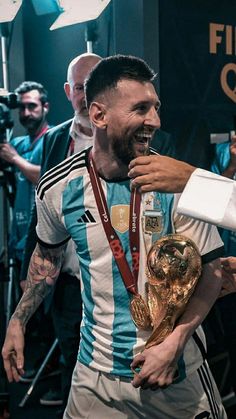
pixel 9 9
pixel 77 11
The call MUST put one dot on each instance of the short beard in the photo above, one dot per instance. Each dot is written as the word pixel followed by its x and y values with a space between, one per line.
pixel 31 125
pixel 124 154
pixel 126 151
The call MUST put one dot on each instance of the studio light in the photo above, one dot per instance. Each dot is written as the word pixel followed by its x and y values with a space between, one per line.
pixel 77 11
pixel 9 9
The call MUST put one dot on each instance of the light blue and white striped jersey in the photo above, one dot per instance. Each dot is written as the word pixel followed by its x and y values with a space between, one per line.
pixel 67 209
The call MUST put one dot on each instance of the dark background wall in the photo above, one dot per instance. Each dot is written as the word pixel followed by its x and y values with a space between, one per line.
pixel 172 35
pixel 194 103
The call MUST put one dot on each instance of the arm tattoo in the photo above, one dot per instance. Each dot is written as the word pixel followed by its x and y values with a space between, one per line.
pixel 44 268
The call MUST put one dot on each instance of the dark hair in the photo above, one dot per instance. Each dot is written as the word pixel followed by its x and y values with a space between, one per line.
pixel 109 71
pixel 27 86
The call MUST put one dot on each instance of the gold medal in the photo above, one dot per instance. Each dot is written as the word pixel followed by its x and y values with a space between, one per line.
pixel 140 312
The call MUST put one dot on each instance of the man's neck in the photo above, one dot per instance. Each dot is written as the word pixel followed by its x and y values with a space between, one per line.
pixel 36 133
pixel 85 130
pixel 107 166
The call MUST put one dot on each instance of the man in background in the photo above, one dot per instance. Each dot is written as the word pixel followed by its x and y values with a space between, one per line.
pixel 24 153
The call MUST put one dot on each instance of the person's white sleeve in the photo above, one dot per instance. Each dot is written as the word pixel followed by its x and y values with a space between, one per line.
pixel 211 198
pixel 50 229
pixel 204 235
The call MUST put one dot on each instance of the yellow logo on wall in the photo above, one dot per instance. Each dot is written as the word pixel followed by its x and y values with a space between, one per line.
pixel 225 34
pixel 227 69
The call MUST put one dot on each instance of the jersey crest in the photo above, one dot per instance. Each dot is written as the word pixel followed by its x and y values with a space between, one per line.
pixel 120 217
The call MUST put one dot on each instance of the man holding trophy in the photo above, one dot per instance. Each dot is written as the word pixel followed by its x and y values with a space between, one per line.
pixel 149 276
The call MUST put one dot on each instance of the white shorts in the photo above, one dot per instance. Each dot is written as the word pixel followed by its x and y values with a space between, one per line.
pixel 97 395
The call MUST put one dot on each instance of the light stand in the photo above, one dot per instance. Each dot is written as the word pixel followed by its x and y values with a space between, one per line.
pixel 4 34
pixel 90 34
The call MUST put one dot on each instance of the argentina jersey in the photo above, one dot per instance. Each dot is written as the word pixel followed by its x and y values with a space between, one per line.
pixel 67 209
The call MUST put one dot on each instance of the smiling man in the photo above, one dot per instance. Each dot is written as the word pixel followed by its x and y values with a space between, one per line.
pixel 127 129
pixel 126 119
pixel 88 198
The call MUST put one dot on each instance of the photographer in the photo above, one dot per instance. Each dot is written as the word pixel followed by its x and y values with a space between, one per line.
pixel 24 153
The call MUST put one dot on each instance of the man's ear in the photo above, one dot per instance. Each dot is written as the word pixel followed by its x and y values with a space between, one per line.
pixel 97 115
pixel 46 107
pixel 67 90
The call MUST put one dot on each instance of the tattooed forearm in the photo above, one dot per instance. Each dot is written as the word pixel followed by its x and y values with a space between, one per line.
pixel 30 301
pixel 44 268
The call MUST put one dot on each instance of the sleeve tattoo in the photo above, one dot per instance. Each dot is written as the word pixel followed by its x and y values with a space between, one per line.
pixel 44 268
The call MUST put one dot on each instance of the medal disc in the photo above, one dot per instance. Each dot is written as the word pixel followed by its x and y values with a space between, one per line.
pixel 140 312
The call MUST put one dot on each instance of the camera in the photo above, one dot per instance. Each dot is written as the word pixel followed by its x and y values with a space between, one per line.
pixel 11 100
pixel 7 102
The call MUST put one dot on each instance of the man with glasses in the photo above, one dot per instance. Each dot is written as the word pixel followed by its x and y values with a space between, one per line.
pixel 24 153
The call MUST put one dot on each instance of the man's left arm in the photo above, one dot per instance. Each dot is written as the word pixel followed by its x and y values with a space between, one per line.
pixel 159 362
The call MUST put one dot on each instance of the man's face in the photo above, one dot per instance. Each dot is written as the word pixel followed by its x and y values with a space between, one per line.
pixel 132 118
pixel 31 110
pixel 75 88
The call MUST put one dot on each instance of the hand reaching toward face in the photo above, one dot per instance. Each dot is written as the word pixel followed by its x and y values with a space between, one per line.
pixel 159 173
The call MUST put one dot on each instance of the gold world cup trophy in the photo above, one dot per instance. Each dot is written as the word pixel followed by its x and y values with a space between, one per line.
pixel 173 269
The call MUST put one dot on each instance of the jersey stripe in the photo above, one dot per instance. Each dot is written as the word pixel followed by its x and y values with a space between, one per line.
pixel 206 370
pixel 207 385
pixel 59 172
pixel 153 151
pixel 86 329
pixel 200 344
pixel 122 319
